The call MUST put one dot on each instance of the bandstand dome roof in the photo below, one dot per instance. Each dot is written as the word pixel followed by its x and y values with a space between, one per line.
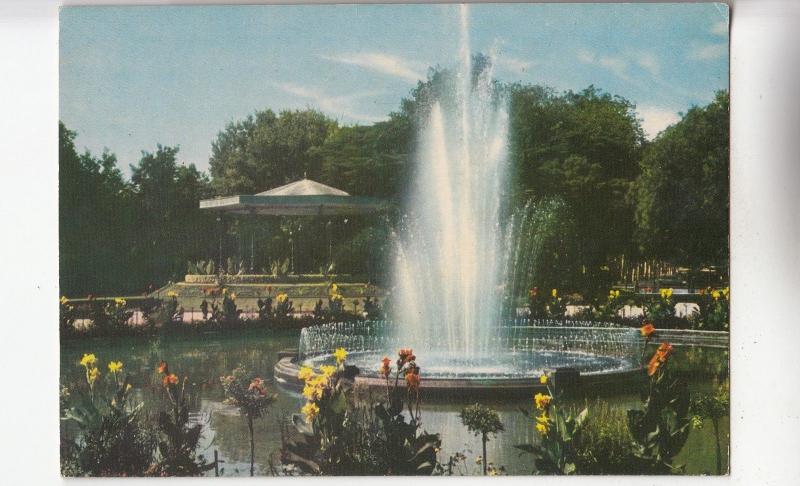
pixel 300 198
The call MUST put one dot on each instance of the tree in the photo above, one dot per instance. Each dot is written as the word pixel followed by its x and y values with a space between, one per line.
pixel 171 228
pixel 484 421
pixel 582 148
pixel 268 150
pixel 94 203
pixel 682 195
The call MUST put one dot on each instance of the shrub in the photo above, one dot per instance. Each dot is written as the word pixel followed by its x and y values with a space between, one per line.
pixel 481 421
pixel 560 431
pixel 112 440
pixel 247 391
pixel 337 435
pixel 177 439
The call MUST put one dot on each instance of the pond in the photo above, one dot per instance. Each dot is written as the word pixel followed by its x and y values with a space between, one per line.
pixel 205 358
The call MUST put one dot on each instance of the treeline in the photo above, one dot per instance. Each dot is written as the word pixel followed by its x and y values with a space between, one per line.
pixel 617 193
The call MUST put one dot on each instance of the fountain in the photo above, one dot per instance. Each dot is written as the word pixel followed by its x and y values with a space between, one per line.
pixel 452 262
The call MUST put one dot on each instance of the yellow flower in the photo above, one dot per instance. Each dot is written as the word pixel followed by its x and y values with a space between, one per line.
pixel 542 428
pixel 543 379
pixel 224 291
pixel 543 419
pixel 93 375
pixel 542 401
pixel 726 292
pixel 233 295
pixel 281 298
pixel 554 293
pixel 119 301
pixel 334 289
pixel 64 300
pixel 310 410
pixel 172 293
pixel 312 391
pixel 715 294
pixel 327 370
pixel 88 360
pixel 305 373
pixel 114 366
pixel 340 354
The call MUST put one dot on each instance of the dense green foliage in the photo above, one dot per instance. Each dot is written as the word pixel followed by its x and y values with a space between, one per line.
pixel 580 155
pixel 682 195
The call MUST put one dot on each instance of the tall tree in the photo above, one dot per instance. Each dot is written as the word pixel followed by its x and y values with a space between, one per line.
pixel 268 150
pixel 683 192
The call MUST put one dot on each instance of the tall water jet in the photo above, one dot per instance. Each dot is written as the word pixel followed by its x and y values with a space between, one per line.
pixel 450 257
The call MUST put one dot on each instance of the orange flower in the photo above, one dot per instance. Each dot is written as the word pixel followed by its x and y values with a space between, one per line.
pixel 412 380
pixel 647 330
pixel 258 385
pixel 162 367
pixel 171 379
pixel 386 369
pixel 660 357
pixel 406 355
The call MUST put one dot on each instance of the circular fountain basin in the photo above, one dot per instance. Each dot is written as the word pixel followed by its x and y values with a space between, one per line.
pixel 584 354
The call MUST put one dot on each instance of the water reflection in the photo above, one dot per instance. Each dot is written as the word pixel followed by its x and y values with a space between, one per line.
pixel 205 358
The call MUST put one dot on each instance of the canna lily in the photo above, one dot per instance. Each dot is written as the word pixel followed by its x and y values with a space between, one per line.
pixel 542 401
pixel 162 367
pixel 659 357
pixel 120 301
pixel 305 373
pixel 114 366
pixel 310 410
pixel 93 375
pixel 406 355
pixel 726 292
pixel 554 293
pixel 716 294
pixel 281 298
pixel 64 300
pixel 647 330
pixel 413 379
pixel 385 368
pixel 171 379
pixel 313 390
pixel 544 379
pixel 88 360
pixel 327 370
pixel 340 354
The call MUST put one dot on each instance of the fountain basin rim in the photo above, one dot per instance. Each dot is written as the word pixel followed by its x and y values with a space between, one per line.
pixel 287 367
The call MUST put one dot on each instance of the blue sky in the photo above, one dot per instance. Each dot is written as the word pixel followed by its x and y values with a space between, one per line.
pixel 132 77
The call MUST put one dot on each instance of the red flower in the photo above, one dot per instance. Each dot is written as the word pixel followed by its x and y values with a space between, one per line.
pixel 406 355
pixel 257 384
pixel 647 330
pixel 386 368
pixel 162 367
pixel 171 379
pixel 412 378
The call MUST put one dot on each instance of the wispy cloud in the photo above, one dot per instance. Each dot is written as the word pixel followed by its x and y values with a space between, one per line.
pixel 514 64
pixel 617 65
pixel 720 28
pixel 707 52
pixel 649 62
pixel 382 63
pixel 341 105
pixel 655 119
